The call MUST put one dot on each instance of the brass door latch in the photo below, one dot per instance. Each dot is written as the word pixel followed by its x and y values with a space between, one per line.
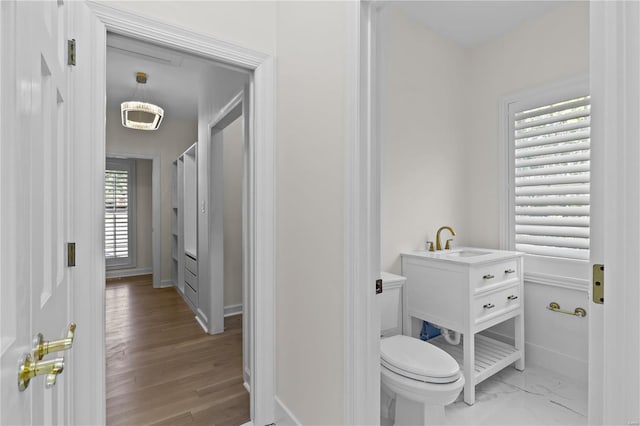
pixel 42 348
pixel 32 365
pixel 30 368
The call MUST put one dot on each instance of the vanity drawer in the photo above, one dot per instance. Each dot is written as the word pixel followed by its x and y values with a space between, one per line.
pixel 492 304
pixel 191 279
pixel 191 295
pixel 491 274
pixel 191 264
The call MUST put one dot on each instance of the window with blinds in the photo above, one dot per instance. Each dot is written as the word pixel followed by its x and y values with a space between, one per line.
pixel 118 213
pixel 551 173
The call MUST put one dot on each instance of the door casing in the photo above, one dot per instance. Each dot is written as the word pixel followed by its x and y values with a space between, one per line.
pixel 88 395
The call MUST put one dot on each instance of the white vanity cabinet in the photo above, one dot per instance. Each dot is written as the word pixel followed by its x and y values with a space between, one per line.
pixel 468 291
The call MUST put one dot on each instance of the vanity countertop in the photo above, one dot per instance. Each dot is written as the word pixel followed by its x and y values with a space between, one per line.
pixel 464 255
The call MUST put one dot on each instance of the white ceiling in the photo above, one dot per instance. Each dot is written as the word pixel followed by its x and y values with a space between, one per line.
pixel 471 23
pixel 174 78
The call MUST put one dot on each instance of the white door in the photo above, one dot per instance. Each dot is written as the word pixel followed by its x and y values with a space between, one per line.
pixel 614 347
pixel 34 205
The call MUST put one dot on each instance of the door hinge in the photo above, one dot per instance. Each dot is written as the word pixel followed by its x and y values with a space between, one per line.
pixel 598 283
pixel 71 254
pixel 378 286
pixel 71 52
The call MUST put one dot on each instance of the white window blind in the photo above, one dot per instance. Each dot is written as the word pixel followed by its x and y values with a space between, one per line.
pixel 551 146
pixel 118 213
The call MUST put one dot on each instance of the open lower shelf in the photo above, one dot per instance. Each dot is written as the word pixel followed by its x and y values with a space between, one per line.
pixel 491 355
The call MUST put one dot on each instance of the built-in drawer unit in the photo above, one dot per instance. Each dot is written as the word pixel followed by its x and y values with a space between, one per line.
pixel 191 278
pixel 495 303
pixel 191 294
pixel 494 274
pixel 191 264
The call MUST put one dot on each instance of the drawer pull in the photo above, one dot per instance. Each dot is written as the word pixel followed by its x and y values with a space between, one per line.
pixel 509 271
pixel 512 297
pixel 489 306
pixel 488 277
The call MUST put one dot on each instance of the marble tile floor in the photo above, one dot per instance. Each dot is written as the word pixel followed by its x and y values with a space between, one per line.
pixel 535 396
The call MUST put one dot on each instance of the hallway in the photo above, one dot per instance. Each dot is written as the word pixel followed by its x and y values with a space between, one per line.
pixel 161 368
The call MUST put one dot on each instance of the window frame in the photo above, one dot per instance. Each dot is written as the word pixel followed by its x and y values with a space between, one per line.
pixel 540 266
pixel 128 165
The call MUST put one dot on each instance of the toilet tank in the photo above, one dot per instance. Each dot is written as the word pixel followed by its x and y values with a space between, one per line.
pixel 391 303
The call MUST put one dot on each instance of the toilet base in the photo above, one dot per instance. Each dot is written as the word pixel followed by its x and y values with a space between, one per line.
pixel 411 413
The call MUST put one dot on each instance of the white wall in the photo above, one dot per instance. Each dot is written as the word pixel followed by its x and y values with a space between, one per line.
pixel 311 149
pixel 548 49
pixel 422 102
pixel 143 214
pixel 552 48
pixel 169 141
pixel 233 168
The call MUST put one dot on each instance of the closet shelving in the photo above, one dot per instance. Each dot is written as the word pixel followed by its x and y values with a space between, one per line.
pixel 184 228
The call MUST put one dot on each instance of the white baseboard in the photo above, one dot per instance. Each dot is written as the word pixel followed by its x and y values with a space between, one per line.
pixel 121 273
pixel 232 310
pixel 204 327
pixel 167 283
pixel 284 417
pixel 551 360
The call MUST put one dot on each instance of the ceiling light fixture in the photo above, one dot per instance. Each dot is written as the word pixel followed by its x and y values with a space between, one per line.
pixel 140 115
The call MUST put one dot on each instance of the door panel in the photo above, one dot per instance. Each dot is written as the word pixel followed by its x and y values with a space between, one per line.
pixel 35 203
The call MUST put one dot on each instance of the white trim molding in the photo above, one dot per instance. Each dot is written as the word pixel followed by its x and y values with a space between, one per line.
pixel 167 284
pixel 98 19
pixel 231 310
pixel 569 283
pixel 122 273
pixel 362 223
pixel 284 416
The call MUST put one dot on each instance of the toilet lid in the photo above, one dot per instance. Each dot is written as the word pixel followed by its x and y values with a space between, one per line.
pixel 418 360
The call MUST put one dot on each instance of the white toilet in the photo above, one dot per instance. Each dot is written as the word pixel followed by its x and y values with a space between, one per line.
pixel 418 376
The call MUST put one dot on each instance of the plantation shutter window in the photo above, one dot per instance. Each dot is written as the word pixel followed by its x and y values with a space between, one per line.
pixel 551 177
pixel 118 216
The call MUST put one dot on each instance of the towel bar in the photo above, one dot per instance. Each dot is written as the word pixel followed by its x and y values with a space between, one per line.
pixel 579 312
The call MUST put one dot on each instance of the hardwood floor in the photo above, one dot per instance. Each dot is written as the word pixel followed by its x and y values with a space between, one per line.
pixel 161 368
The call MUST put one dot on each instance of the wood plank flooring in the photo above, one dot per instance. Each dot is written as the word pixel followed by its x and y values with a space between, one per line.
pixel 162 368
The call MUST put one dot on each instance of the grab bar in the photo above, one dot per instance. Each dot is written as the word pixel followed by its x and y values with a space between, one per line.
pixel 579 312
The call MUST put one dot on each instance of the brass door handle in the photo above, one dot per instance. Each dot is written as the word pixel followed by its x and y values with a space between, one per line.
pixel 30 368
pixel 42 348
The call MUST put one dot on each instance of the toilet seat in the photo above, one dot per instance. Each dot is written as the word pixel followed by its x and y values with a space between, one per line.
pixel 414 359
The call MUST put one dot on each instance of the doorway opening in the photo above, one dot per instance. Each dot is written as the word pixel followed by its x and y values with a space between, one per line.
pixel 472 73
pixel 157 322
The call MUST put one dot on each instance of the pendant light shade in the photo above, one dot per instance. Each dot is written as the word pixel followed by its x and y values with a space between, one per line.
pixel 140 115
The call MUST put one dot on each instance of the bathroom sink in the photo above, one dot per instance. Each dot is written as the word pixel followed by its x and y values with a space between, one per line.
pixel 467 253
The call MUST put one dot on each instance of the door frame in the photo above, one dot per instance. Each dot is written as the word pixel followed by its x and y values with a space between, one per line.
pixel 615 83
pixel 156 228
pixel 215 243
pixel 88 397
